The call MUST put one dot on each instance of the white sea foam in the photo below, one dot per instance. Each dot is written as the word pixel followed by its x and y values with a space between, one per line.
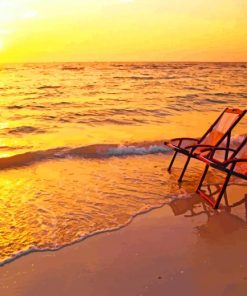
pixel 133 150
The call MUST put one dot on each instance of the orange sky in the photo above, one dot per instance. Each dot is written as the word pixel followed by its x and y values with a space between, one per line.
pixel 123 30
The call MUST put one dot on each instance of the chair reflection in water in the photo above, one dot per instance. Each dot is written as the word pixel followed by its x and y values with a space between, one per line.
pixel 195 206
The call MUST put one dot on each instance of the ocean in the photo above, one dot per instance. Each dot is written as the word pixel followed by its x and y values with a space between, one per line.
pixel 81 143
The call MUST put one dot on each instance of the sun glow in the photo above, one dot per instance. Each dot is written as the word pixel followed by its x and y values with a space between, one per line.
pixel 107 30
pixel 1 45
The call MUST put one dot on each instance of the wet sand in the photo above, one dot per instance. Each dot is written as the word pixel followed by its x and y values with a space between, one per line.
pixel 168 251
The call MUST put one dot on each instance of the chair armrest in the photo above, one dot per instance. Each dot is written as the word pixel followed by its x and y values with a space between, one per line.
pixel 180 141
pixel 199 146
pixel 192 139
pixel 176 139
pixel 234 161
pixel 214 149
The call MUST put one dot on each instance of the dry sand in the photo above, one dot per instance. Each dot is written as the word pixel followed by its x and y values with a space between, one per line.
pixel 163 252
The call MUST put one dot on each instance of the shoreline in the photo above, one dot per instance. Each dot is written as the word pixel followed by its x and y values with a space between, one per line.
pixel 83 238
pixel 161 252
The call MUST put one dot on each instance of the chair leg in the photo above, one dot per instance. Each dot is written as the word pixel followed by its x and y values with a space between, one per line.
pixel 172 161
pixel 226 200
pixel 184 169
pixel 245 203
pixel 202 178
pixel 222 191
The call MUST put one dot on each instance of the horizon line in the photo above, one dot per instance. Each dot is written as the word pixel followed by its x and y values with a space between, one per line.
pixel 77 62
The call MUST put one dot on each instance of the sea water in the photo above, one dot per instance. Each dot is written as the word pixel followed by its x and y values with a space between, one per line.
pixel 81 143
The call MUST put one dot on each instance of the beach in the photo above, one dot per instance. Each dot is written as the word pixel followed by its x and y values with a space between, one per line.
pixel 87 205
pixel 164 252
pixel 183 247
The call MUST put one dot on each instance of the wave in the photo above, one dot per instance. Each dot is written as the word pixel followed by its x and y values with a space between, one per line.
pixel 49 87
pixel 24 130
pixel 100 151
pixel 132 150
pixel 71 68
pixel 216 101
pixel 95 151
pixel 15 107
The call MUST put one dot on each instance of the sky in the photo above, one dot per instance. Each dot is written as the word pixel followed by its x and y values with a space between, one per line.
pixel 122 30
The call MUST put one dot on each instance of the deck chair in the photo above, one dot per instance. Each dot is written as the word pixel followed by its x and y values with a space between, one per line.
pixel 235 165
pixel 216 134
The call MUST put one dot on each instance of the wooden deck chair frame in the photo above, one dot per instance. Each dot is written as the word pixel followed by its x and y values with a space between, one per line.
pixel 189 151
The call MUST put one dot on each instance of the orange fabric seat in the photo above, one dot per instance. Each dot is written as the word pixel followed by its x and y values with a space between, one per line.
pixel 212 139
pixel 241 167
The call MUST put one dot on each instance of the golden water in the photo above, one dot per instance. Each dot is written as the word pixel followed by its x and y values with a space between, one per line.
pixel 81 144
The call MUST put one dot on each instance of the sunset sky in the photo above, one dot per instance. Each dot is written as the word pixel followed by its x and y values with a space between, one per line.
pixel 123 30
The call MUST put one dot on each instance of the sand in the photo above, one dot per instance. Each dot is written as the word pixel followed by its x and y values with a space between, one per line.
pixel 163 252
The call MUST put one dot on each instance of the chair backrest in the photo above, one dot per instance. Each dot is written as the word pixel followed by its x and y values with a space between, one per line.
pixel 222 126
pixel 241 153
